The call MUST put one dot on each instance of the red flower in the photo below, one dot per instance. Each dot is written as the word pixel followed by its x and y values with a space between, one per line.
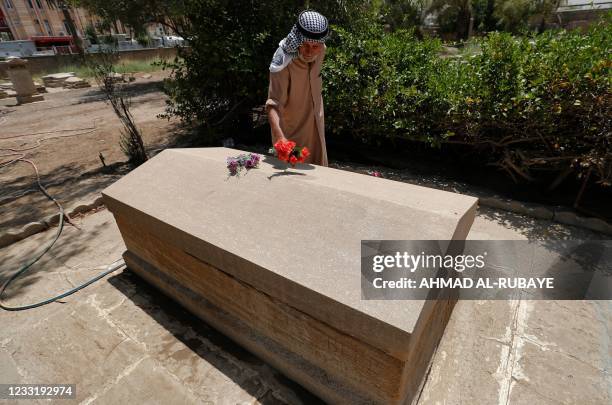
pixel 288 152
pixel 284 149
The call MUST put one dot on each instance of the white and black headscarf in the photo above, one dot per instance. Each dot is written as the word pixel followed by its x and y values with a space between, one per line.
pixel 311 26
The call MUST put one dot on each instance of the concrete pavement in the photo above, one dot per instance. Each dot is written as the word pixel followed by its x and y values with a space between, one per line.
pixel 120 341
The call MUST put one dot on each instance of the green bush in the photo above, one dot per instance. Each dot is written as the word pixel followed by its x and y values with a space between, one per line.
pixel 376 83
pixel 533 106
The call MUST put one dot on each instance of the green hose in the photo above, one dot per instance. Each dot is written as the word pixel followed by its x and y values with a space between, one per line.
pixel 112 267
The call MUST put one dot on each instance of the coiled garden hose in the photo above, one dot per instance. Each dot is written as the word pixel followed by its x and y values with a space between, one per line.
pixel 112 267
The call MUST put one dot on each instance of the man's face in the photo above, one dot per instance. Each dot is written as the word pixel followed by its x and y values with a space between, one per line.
pixel 310 50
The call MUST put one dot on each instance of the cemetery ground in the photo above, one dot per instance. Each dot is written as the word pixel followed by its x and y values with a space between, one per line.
pixel 120 340
pixel 67 136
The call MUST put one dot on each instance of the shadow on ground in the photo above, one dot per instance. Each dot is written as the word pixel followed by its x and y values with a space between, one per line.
pixel 131 89
pixel 22 202
pixel 183 325
pixel 536 229
pixel 63 255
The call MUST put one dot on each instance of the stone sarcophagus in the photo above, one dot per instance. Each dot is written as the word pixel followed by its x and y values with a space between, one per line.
pixel 272 259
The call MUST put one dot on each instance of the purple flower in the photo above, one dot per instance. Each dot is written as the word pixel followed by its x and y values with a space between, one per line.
pixel 233 166
pixel 248 161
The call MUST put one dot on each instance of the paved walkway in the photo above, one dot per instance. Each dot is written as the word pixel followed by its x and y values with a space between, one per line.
pixel 120 341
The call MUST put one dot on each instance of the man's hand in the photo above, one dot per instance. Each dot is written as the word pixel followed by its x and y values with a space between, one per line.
pixel 278 137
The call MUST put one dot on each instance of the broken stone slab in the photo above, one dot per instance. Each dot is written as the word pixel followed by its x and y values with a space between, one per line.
pixel 56 79
pixel 78 86
pixel 29 98
pixel 58 76
pixel 115 77
pixel 76 83
pixel 40 88
pixel 273 260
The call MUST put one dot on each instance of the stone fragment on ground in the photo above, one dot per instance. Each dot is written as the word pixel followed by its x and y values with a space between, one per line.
pixel 76 83
pixel 116 77
pixel 56 79
pixel 40 88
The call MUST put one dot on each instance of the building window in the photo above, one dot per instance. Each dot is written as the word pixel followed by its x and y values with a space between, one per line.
pixel 8 3
pixel 48 27
pixel 30 4
pixel 66 27
pixel 39 4
pixel 39 30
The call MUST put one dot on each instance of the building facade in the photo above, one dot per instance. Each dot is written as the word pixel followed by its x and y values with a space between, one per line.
pixel 26 19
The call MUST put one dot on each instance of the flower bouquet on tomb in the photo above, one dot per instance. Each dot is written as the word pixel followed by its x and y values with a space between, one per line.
pixel 287 151
pixel 245 161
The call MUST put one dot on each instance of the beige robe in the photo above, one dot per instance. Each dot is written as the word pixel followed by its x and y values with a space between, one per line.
pixel 295 92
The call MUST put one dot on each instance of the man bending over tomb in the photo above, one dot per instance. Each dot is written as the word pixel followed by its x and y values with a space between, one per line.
pixel 295 103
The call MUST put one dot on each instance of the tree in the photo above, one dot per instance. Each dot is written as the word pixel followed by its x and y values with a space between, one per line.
pixel 454 15
pixel 103 68
pixel 460 16
pixel 223 75
pixel 516 15
pixel 484 19
pixel 136 14
pixel 402 13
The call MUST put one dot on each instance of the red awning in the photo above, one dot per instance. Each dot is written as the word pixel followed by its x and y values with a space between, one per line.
pixel 3 25
pixel 40 40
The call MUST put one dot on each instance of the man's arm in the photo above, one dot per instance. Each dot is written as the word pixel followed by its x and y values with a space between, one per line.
pixel 277 97
pixel 274 120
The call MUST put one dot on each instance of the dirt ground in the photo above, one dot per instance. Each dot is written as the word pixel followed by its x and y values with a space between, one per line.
pixel 64 136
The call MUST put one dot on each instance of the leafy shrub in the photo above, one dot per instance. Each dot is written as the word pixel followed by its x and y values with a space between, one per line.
pixel 530 105
pixel 376 83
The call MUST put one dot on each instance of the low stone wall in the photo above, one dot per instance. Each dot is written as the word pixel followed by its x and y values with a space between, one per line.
pixel 56 63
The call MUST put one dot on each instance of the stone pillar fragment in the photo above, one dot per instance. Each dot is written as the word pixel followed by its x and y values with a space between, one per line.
pixel 22 81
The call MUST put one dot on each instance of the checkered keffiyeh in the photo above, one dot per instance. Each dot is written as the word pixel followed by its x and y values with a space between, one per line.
pixel 311 26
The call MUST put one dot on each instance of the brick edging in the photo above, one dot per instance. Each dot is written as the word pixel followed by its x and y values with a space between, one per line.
pixel 33 228
pixel 560 215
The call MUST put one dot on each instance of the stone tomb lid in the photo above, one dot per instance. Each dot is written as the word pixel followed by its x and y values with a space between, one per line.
pixel 295 237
